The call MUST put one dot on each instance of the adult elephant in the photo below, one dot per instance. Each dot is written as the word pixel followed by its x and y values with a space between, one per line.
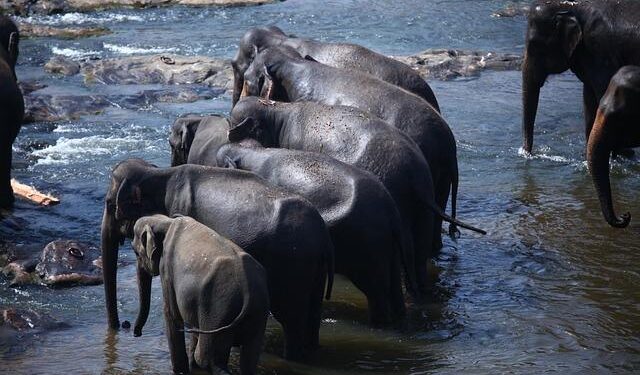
pixel 281 74
pixel 11 105
pixel 283 231
pixel 616 126
pixel 206 139
pixel 338 55
pixel 592 38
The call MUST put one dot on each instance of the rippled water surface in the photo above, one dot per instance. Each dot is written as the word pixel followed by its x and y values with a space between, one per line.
pixel 550 288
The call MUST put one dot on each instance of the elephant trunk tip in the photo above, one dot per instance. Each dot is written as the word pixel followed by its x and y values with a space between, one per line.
pixel 137 331
pixel 622 221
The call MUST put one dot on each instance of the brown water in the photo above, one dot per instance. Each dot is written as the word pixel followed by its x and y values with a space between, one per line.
pixel 551 288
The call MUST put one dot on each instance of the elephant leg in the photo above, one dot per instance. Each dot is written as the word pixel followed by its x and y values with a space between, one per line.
pixel 314 314
pixel 192 351
pixel 175 333
pixel 442 190
pixel 398 308
pixel 6 193
pixel 373 281
pixel 289 307
pixel 422 228
pixel 250 353
pixel 590 107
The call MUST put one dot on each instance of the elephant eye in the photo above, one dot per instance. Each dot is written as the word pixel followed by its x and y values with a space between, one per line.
pixel 75 252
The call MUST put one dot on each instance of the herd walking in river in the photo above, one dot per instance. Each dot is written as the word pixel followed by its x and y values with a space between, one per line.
pixel 334 159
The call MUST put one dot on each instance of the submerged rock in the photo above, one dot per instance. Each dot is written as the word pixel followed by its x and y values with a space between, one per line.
pixel 61 263
pixel 512 10
pixel 446 64
pixel 62 65
pixel 28 30
pixel 27 7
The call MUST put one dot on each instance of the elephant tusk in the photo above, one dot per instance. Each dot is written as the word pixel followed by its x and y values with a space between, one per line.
pixel 245 90
pixel 269 93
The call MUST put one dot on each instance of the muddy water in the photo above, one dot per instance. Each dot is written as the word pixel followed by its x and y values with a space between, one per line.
pixel 550 288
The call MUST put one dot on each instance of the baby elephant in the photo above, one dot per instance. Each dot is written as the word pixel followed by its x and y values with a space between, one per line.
pixel 210 285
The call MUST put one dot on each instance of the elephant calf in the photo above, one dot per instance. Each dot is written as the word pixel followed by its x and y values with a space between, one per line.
pixel 208 283
pixel 615 127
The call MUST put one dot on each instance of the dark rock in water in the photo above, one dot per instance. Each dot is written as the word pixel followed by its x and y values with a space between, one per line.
pixel 446 64
pixel 28 87
pixel 512 10
pixel 62 65
pixel 61 263
pixel 26 320
pixel 28 30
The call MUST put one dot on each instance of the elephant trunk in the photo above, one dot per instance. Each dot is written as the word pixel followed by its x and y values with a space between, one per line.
pixel 532 80
pixel 599 148
pixel 144 290
pixel 110 241
pixel 238 84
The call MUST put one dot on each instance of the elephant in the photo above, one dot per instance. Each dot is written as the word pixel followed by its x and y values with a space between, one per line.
pixel 615 126
pixel 209 284
pixel 281 230
pixel 12 107
pixel 364 223
pixel 356 138
pixel 280 73
pixel 339 55
pixel 592 38
pixel 61 263
pixel 207 138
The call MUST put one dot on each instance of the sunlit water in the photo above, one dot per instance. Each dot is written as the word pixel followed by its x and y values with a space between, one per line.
pixel 550 288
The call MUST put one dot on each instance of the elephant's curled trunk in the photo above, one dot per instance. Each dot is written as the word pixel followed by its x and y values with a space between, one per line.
pixel 599 149
pixel 144 290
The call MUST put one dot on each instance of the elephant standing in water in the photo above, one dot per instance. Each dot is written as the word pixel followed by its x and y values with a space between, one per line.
pixel 208 283
pixel 592 38
pixel 617 125
pixel 338 55
pixel 11 107
pixel 281 230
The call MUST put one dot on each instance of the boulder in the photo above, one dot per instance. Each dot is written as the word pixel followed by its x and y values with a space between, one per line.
pixel 62 65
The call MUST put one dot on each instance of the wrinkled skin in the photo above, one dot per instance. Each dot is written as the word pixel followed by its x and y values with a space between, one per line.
pixel 11 107
pixel 617 125
pixel 61 263
pixel 338 55
pixel 592 38
pixel 208 284
pixel 194 136
pixel 287 77
pixel 266 222
pixel 356 138
pixel 362 218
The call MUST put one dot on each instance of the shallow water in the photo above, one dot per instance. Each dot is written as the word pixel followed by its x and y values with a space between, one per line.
pixel 550 288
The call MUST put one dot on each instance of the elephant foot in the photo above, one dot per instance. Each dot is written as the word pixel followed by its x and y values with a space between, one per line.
pixel 7 199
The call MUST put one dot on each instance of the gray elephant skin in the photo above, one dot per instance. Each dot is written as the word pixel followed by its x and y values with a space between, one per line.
pixel 281 230
pixel 338 55
pixel 281 74
pixel 209 284
pixel 208 138
pixel 592 38
pixel 12 107
pixel 615 127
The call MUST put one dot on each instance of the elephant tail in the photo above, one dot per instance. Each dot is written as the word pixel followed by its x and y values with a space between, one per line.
pixel 438 211
pixel 453 228
pixel 330 258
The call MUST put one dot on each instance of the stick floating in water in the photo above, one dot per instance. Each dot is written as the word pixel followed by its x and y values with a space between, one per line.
pixel 29 193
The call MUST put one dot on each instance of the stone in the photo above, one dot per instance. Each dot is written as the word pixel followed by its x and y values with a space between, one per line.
pixel 62 65
pixel 28 30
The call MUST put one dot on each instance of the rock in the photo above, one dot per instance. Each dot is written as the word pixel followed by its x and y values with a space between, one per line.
pixel 159 69
pixel 62 65
pixel 26 320
pixel 28 87
pixel 512 10
pixel 450 64
pixel 28 30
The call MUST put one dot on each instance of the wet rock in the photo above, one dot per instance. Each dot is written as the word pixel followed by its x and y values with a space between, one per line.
pixel 512 10
pixel 446 64
pixel 28 87
pixel 26 320
pixel 160 69
pixel 61 263
pixel 28 30
pixel 62 65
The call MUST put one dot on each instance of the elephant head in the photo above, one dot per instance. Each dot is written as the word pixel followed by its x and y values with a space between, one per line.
pixel 250 119
pixel 262 78
pixel 253 41
pixel 9 39
pixel 148 238
pixel 615 127
pixel 554 33
pixel 183 131
pixel 125 202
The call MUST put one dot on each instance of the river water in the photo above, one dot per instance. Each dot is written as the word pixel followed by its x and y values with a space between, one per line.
pixel 550 288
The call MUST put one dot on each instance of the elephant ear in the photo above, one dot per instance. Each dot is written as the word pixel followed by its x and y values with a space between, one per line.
pixel 230 163
pixel 129 194
pixel 152 250
pixel 13 47
pixel 569 32
pixel 186 137
pixel 248 128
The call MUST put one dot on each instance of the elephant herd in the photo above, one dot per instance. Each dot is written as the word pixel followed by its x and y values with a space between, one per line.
pixel 333 159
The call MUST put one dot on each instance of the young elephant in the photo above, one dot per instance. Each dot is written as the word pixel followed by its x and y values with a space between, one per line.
pixel 209 284
pixel 283 75
pixel 617 125
pixel 356 138
pixel 361 216
pixel 194 136
pixel 11 106
pixel 281 230
pixel 338 55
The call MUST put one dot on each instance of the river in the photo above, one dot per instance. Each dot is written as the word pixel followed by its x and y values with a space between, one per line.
pixel 551 287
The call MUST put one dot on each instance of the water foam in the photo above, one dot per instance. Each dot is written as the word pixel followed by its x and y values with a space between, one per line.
pixel 74 53
pixel 133 50
pixel 67 150
pixel 76 19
